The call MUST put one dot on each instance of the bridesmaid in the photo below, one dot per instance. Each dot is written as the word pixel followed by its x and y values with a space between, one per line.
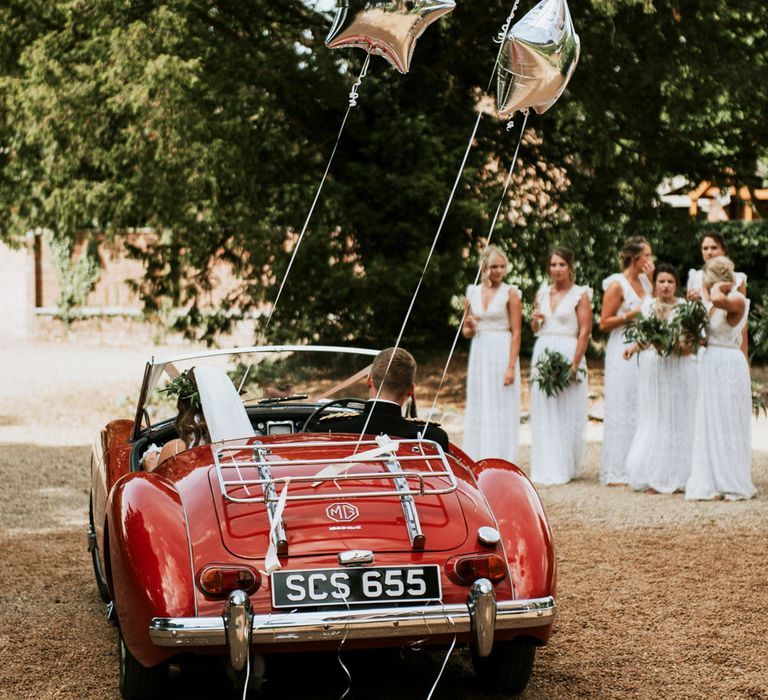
pixel 722 449
pixel 493 316
pixel 562 320
pixel 624 293
pixel 659 459
pixel 713 245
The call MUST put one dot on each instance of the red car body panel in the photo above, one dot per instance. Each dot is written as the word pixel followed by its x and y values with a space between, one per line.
pixel 150 561
pixel 164 527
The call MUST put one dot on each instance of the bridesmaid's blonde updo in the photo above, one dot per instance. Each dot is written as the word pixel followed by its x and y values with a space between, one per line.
pixel 491 252
pixel 719 269
pixel 633 248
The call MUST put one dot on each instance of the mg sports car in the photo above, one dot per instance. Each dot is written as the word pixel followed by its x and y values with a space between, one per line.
pixel 279 537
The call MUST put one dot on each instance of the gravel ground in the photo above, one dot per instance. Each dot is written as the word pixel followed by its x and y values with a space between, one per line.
pixel 658 597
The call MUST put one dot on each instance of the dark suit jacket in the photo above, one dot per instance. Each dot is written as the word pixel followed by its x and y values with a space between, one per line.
pixel 386 418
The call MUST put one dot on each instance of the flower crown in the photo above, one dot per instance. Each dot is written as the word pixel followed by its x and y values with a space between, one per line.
pixel 183 387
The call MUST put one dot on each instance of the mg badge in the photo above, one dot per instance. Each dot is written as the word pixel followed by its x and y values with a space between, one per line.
pixel 342 512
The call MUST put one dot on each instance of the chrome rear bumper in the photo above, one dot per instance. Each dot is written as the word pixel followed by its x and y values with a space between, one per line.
pixel 475 617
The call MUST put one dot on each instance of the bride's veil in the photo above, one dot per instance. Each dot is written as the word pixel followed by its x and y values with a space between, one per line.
pixel 224 412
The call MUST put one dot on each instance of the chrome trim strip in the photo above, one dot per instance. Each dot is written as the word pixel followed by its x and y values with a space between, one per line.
pixel 411 515
pixel 370 623
pixel 276 525
pixel 264 348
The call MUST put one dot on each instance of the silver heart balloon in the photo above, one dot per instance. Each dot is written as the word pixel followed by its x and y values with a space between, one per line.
pixel 537 59
pixel 388 28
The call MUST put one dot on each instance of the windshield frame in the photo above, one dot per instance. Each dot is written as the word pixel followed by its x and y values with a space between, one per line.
pixel 155 368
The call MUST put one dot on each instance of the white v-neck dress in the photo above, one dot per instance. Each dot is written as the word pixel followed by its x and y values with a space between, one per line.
pixel 660 455
pixel 558 423
pixel 621 381
pixel 492 418
pixel 722 443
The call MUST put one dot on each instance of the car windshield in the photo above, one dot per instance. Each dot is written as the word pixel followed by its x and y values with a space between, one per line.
pixel 264 376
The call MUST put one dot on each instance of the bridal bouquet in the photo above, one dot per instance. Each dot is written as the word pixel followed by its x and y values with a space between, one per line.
pixel 691 321
pixel 652 331
pixel 759 397
pixel 552 372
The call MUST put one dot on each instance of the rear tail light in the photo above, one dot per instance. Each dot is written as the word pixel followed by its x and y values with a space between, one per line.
pixel 220 581
pixel 466 570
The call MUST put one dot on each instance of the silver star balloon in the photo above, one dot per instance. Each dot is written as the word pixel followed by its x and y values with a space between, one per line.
pixel 537 59
pixel 388 28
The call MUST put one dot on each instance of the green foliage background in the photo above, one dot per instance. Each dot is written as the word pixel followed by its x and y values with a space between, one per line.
pixel 211 122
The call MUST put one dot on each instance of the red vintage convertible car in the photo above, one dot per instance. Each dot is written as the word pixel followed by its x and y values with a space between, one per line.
pixel 290 539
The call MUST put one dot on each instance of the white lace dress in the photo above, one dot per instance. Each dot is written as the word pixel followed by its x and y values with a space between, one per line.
pixel 558 423
pixel 620 388
pixel 722 449
pixel 492 418
pixel 660 454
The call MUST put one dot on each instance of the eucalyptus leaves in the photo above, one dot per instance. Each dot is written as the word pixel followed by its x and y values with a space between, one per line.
pixel 759 399
pixel 678 333
pixel 552 372
pixel 184 387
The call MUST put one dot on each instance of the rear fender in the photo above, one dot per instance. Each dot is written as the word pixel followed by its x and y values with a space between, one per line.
pixel 149 559
pixel 109 461
pixel 525 532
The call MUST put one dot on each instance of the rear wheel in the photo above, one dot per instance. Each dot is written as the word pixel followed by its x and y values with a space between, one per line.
pixel 98 568
pixel 138 682
pixel 508 668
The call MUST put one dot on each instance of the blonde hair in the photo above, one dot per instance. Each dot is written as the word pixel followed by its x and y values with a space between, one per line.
pixel 719 269
pixel 491 252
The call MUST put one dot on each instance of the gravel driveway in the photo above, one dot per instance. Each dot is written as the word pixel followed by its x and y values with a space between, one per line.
pixel 659 598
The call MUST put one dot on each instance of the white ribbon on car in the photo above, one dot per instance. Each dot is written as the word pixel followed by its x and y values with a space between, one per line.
pixel 386 445
pixel 271 562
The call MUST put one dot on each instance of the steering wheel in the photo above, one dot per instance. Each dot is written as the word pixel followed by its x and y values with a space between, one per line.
pixel 341 403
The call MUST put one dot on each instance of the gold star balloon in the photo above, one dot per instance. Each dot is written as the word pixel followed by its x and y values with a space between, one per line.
pixel 537 59
pixel 388 28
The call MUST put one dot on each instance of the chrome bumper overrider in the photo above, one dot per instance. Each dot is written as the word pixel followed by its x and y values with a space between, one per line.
pixel 481 615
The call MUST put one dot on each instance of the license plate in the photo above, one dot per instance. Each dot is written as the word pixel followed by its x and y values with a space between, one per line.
pixel 355 586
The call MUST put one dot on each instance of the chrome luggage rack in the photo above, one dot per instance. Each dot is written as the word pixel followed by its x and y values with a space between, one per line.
pixel 434 476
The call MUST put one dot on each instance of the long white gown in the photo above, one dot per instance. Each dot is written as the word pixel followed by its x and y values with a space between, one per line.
pixel 492 418
pixel 722 449
pixel 558 424
pixel 660 454
pixel 621 379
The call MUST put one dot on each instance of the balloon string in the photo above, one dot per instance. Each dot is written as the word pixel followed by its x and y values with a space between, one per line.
pixel 352 104
pixel 353 95
pixel 500 37
pixel 421 279
pixel 480 266
pixel 505 28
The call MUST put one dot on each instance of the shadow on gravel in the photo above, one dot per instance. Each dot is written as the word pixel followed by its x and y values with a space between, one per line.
pixel 43 487
pixel 376 675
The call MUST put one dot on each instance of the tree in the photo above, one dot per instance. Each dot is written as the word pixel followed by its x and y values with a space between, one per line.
pixel 211 121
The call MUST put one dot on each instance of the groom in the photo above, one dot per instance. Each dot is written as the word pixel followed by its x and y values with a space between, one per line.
pixel 393 386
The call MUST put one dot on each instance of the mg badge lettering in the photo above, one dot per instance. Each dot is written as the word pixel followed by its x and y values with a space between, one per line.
pixel 342 512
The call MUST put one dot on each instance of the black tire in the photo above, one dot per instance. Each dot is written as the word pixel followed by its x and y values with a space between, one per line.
pixel 508 669
pixel 138 682
pixel 98 568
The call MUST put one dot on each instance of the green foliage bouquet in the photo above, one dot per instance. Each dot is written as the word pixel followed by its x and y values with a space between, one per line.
pixel 552 372
pixel 684 329
pixel 759 397
pixel 691 322
pixel 652 331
